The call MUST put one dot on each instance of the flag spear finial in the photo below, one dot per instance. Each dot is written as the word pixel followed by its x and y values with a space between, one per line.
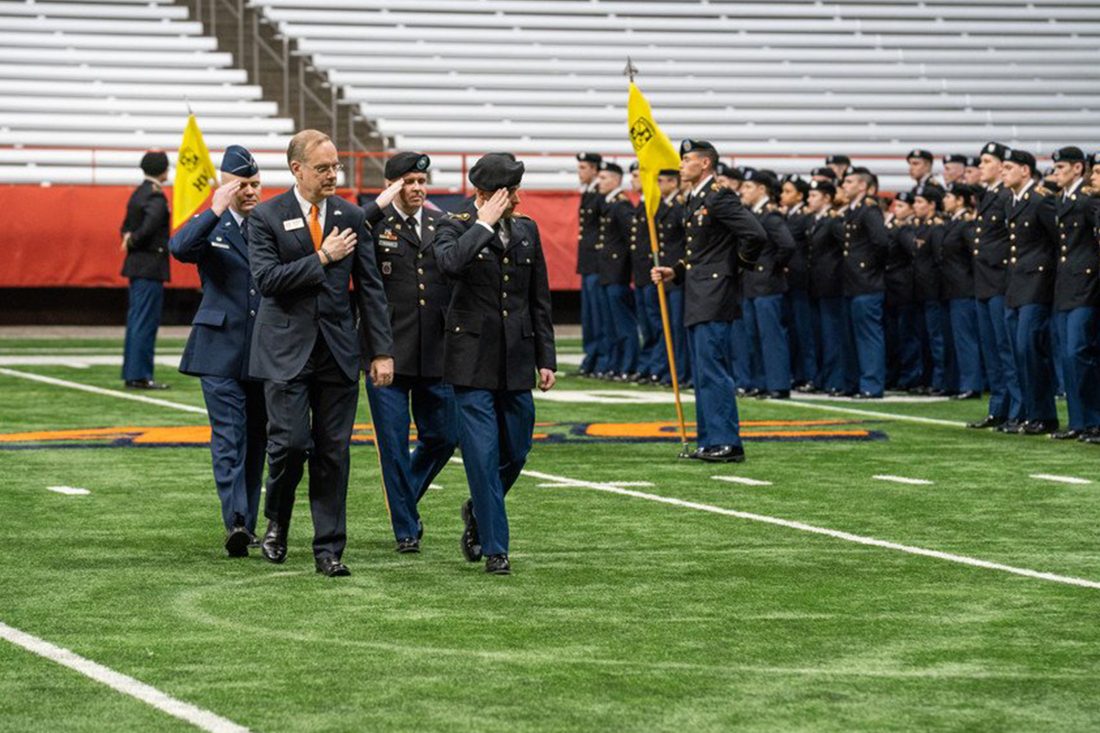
pixel 630 70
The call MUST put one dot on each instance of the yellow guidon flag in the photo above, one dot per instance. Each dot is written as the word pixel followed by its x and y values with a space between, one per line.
pixel 194 174
pixel 655 154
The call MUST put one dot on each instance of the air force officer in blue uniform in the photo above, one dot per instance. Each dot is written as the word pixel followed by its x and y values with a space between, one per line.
pixel 217 349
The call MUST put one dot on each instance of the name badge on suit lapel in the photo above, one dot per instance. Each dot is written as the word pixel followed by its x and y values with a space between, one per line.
pixel 291 224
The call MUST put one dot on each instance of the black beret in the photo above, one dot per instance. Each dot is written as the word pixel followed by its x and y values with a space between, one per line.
pixel 929 193
pixel 960 190
pixel 496 170
pixel 154 162
pixel 906 197
pixel 406 162
pixel 825 187
pixel 606 165
pixel 1070 154
pixel 593 158
pixel 723 169
pixel 955 158
pixel 796 180
pixel 763 177
pixel 920 153
pixel 824 172
pixel 1094 159
pixel 634 166
pixel 696 146
pixel 838 160
pixel 238 161
pixel 973 162
pixel 998 151
pixel 861 170
pixel 669 172
pixel 1021 157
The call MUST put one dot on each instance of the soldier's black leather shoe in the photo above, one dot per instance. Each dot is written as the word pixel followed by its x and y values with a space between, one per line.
pixel 273 546
pixel 1012 427
pixel 419 529
pixel 498 565
pixel 408 545
pixel 1066 435
pixel 988 422
pixel 968 395
pixel 775 394
pixel 144 384
pixel 471 542
pixel 723 454
pixel 1039 427
pixel 330 567
pixel 236 542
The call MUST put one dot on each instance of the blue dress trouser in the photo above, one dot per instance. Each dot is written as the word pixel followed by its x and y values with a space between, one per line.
pixel 590 322
pixel 406 476
pixel 803 343
pixel 832 329
pixel 964 335
pixel 937 347
pixel 497 427
pixel 748 368
pixel 659 365
pixel 1079 338
pixel 774 343
pixel 1029 330
pixel 142 321
pixel 870 342
pixel 238 443
pixel 623 326
pixel 648 312
pixel 1005 400
pixel 716 420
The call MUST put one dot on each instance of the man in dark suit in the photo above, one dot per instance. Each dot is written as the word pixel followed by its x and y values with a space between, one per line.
pixel 588 263
pixel 722 236
pixel 418 296
pixel 1032 265
pixel 145 233
pixel 218 346
pixel 500 338
pixel 1077 294
pixel 990 262
pixel 305 246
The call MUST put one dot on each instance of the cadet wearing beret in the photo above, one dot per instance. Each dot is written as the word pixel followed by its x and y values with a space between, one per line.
pixel 839 165
pixel 418 295
pixel 588 262
pixel 866 245
pixel 613 243
pixel 218 346
pixel 792 202
pixel 145 231
pixel 954 169
pixel 972 174
pixel 904 364
pixel 1032 263
pixel 990 279
pixel 936 337
pixel 825 247
pixel 920 167
pixel 765 285
pixel 721 237
pixel 500 338
pixel 1077 294
pixel 956 260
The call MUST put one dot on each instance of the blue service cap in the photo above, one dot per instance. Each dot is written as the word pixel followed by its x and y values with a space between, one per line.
pixel 239 162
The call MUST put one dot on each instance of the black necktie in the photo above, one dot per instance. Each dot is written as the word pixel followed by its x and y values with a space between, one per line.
pixel 411 221
pixel 244 230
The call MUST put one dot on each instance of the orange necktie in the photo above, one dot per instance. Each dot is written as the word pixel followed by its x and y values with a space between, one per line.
pixel 315 226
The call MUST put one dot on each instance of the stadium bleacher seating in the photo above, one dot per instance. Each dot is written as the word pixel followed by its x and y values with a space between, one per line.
pixel 764 81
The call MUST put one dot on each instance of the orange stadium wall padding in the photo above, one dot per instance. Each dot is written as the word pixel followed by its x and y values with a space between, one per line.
pixel 68 236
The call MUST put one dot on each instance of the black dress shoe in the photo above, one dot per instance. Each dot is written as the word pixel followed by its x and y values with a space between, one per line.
pixel 419 529
pixel 866 396
pixel 253 541
pixel 741 392
pixel 1091 438
pixel 1011 427
pixel 967 395
pixel 775 394
pixel 273 546
pixel 918 390
pixel 1039 427
pixel 1066 435
pixel 408 545
pixel 723 454
pixel 805 388
pixel 471 542
pixel 330 567
pixel 841 393
pixel 144 384
pixel 988 422
pixel 498 565
pixel 236 542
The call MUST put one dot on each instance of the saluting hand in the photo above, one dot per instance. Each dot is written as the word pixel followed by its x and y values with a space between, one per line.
pixel 337 245
pixel 491 211
pixel 386 198
pixel 661 274
pixel 223 196
pixel 546 379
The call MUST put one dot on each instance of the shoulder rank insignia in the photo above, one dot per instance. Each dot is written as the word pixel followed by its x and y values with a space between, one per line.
pixel 461 216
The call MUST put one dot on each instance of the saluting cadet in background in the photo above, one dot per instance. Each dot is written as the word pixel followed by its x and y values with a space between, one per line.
pixel 418 295
pixel 499 334
pixel 145 231
pixel 1077 294
pixel 825 246
pixel 957 287
pixel 903 346
pixel 613 243
pixel 765 285
pixel 218 346
pixel 1032 263
pixel 928 229
pixel 866 244
pixel 721 235
pixel 588 262
pixel 792 201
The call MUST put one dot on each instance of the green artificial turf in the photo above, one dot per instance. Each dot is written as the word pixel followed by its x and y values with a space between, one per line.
pixel 622 613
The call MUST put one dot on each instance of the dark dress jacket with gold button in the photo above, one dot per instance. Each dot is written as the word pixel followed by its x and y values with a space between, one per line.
pixel 588 258
pixel 613 240
pixel 769 275
pixel 499 328
pixel 956 259
pixel 825 249
pixel 927 234
pixel 1032 252
pixel 721 236
pixel 1077 284
pixel 991 244
pixel 866 244
pixel 416 290
pixel 899 263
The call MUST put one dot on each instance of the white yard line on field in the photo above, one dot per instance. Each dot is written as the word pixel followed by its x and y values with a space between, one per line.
pixel 902 480
pixel 1060 479
pixel 100 390
pixel 68 490
pixel 196 716
pixel 742 480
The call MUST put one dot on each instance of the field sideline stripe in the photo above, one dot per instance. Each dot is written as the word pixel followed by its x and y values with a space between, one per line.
pixel 196 716
pixel 870 413
pixel 100 390
pixel 803 527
